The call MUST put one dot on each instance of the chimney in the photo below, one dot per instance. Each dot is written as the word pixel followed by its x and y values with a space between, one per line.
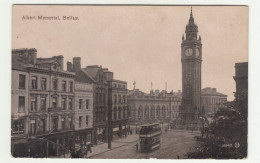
pixel 69 67
pixel 76 63
pixel 32 56
pixel 60 60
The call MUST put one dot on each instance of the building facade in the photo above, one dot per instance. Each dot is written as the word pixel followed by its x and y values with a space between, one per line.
pixel 94 75
pixel 83 120
pixel 160 107
pixel 19 105
pixel 212 100
pixel 118 107
pixel 191 58
pixel 241 79
pixel 50 104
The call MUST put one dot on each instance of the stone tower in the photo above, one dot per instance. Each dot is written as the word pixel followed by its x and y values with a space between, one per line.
pixel 191 58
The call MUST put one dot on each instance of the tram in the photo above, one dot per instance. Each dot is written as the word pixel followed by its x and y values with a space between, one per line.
pixel 150 137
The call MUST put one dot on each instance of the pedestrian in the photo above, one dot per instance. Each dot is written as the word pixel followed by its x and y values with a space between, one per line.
pixel 89 147
pixel 131 131
pixel 178 157
pixel 136 147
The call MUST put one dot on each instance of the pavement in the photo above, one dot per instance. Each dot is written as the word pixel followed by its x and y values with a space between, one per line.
pixel 116 143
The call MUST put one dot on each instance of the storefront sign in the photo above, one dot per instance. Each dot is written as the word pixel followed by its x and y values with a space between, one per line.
pixel 19 92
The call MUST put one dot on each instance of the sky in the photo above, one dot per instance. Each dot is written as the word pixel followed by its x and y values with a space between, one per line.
pixel 139 43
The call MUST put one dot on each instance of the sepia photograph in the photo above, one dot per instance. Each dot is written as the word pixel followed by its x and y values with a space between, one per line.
pixel 129 81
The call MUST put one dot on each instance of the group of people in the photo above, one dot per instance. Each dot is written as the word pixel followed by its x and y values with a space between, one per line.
pixel 81 152
pixel 129 131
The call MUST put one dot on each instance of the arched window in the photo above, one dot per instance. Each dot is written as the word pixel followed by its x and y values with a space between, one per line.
pixel 140 112
pixel 146 113
pixel 163 112
pixel 158 112
pixel 153 113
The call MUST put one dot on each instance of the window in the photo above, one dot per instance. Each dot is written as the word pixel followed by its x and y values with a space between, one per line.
pixel 115 113
pixel 34 82
pixel 115 99
pixel 63 103
pixel 124 101
pixel 123 86
pixel 119 86
pixel 87 103
pixel 70 103
pixel 42 125
pixel 63 123
pixel 119 113
pixel 55 121
pixel 21 81
pixel 32 126
pixel 54 84
pixel 33 103
pixel 96 98
pixel 43 103
pixel 115 85
pixel 64 85
pixel 71 86
pixel 54 102
pixel 100 98
pixel 80 103
pixel 87 121
pixel 124 113
pixel 69 122
pixel 104 98
pixel 80 121
pixel 21 104
pixel 119 99
pixel 18 127
pixel 43 83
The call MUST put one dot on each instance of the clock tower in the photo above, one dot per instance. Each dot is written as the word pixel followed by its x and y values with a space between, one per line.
pixel 191 58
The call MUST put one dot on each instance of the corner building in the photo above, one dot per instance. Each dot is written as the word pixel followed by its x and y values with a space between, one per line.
pixel 50 104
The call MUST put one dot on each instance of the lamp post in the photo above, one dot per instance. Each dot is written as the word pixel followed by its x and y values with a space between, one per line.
pixel 136 127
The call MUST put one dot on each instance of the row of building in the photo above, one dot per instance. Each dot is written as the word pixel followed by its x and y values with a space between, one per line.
pixel 54 110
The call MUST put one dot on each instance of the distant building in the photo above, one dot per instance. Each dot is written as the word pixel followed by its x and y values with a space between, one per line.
pixel 212 100
pixel 83 121
pixel 161 107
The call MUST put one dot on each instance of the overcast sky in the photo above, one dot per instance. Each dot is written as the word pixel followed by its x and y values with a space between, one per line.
pixel 141 43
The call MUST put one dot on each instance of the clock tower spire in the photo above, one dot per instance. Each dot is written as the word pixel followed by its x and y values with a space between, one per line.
pixel 191 58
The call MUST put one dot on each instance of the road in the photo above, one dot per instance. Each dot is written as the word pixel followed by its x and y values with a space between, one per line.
pixel 173 144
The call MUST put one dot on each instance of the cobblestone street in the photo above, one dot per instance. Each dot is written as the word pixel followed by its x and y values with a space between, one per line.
pixel 173 143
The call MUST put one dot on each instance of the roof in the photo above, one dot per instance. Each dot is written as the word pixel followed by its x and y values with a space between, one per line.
pixel 84 77
pixel 92 70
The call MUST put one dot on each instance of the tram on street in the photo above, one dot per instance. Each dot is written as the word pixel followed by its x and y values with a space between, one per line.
pixel 150 137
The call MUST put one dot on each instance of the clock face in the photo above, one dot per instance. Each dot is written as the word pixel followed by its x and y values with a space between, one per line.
pixel 188 52
pixel 197 52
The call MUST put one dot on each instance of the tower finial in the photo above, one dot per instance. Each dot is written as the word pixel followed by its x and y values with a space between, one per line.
pixel 191 11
